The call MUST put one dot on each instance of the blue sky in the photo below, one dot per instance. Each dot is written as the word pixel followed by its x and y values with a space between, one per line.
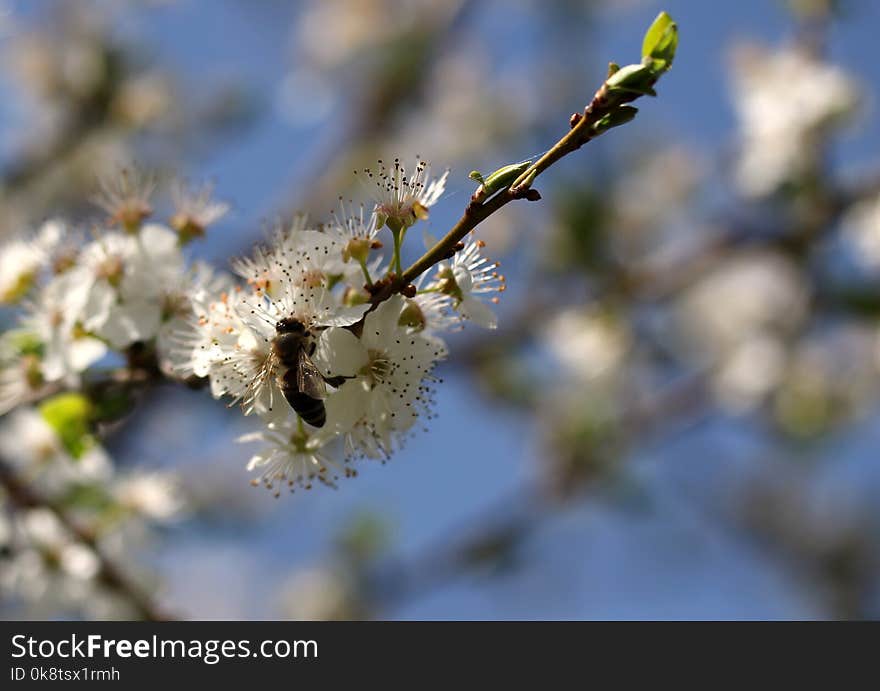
pixel 661 558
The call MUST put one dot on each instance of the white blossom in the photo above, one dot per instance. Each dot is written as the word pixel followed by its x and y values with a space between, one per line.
pixel 46 565
pixel 152 276
pixel 188 297
pixel 117 291
pixel 403 199
pixel 828 374
pixel 231 337
pixel 379 361
pixel 299 255
pixel 45 530
pixel 750 372
pixel 469 278
pixel 356 233
pixel 51 571
pixel 372 360
pixel 246 371
pixel 213 330
pixel 290 456
pixel 392 381
pixel 431 312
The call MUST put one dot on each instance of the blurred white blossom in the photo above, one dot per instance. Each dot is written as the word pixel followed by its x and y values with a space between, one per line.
pixel 318 593
pixel 748 294
pixel 357 27
pixel 649 204
pixel 751 371
pixel 22 260
pixel 33 447
pixel 861 226
pixel 829 376
pixel 153 495
pixel 46 564
pixel 56 317
pixel 736 321
pixel 783 100
pixel 195 209
pixel 589 343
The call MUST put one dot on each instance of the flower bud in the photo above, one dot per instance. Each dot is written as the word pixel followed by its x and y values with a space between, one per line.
pixel 636 79
pixel 352 297
pixel 620 116
pixel 412 316
pixel 186 228
pixel 447 284
pixel 358 248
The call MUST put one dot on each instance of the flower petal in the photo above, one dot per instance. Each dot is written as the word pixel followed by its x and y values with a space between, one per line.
pixel 478 312
pixel 345 316
pixel 340 353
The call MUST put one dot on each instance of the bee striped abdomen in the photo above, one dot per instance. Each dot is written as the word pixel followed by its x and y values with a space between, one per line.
pixel 311 410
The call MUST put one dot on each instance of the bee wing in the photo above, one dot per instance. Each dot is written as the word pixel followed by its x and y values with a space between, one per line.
pixel 260 384
pixel 309 379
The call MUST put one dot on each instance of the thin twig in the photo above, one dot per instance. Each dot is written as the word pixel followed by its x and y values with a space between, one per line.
pixel 582 131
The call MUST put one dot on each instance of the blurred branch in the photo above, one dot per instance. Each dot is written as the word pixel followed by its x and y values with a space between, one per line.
pixel 504 524
pixel 87 116
pixel 843 568
pixel 776 515
pixel 512 518
pixel 389 90
pixel 665 281
pixel 24 497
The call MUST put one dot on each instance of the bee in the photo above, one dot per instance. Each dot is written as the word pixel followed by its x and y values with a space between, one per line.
pixel 301 382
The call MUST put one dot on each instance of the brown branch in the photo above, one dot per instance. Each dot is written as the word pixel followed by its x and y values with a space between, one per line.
pixel 583 130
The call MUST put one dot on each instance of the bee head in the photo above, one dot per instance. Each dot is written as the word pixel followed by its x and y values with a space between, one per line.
pixel 289 325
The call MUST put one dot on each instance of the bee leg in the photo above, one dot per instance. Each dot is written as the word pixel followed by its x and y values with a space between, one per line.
pixel 338 381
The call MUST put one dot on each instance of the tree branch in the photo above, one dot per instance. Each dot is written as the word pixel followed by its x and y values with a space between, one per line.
pixel 583 129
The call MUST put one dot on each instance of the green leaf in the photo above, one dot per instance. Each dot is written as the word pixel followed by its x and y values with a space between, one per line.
pixel 620 116
pixel 637 79
pixel 660 44
pixel 93 497
pixel 69 415
pixel 23 342
pixel 113 402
